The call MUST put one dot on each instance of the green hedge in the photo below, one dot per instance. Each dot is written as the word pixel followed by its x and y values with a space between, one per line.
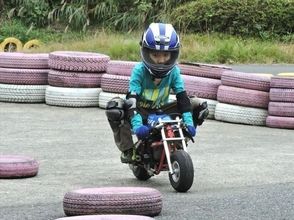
pixel 248 17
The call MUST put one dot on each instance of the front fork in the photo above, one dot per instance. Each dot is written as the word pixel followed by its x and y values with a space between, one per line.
pixel 167 134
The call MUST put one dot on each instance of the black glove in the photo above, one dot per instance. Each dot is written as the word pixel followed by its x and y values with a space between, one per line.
pixel 200 113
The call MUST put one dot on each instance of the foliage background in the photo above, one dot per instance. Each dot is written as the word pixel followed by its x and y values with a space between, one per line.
pixel 214 31
pixel 261 18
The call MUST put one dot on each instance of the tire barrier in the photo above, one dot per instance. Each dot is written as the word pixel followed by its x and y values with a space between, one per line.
pixel 280 122
pixel 24 60
pixel 281 106
pixel 78 61
pixel 107 217
pixel 72 97
pixel 24 76
pixel 119 67
pixel 115 83
pixel 282 82
pixel 74 79
pixel 201 87
pixel 11 44
pixel 243 97
pixel 32 44
pixel 71 69
pixel 22 93
pixel 247 81
pixel 202 70
pixel 247 93
pixel 282 95
pixel 113 200
pixel 17 166
pixel 240 114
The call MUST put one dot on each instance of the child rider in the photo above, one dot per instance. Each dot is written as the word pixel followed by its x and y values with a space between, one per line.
pixel 151 82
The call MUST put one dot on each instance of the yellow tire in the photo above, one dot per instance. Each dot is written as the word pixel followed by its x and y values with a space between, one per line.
pixel 264 74
pixel 1 48
pixel 32 44
pixel 286 74
pixel 11 44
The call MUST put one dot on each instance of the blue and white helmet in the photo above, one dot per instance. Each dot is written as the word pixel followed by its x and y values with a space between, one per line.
pixel 160 37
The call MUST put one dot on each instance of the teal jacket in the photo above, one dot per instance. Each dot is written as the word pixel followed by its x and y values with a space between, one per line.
pixel 155 96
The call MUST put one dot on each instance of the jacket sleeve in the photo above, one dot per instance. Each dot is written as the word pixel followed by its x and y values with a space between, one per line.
pixel 135 87
pixel 183 101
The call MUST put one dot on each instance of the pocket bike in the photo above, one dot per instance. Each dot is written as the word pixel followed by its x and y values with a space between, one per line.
pixel 165 149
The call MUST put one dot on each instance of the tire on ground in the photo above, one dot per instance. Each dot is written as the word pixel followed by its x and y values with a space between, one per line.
pixel 17 166
pixel 280 122
pixel 107 217
pixel 12 44
pixel 31 44
pixel 22 93
pixel 72 97
pixel 113 200
pixel 240 114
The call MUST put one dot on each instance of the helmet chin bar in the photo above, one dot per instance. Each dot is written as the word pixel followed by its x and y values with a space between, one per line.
pixel 158 75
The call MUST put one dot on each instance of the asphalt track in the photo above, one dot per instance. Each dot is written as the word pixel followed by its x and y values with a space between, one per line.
pixel 241 171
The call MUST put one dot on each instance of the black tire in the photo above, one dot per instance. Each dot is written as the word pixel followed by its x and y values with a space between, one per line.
pixel 182 164
pixel 140 173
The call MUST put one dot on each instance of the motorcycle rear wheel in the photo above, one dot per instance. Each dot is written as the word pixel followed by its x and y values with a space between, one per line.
pixel 183 176
pixel 139 172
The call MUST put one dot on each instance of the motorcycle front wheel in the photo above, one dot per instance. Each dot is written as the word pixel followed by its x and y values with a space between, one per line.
pixel 183 171
pixel 139 172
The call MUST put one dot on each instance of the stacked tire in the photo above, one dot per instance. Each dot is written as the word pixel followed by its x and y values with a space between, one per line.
pixel 118 201
pixel 203 80
pixel 281 106
pixel 23 77
pixel 75 78
pixel 243 98
pixel 115 82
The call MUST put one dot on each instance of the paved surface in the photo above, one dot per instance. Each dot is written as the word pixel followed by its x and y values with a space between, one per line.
pixel 264 68
pixel 241 172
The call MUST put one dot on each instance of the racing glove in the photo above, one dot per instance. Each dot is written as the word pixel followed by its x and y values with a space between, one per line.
pixel 192 130
pixel 142 131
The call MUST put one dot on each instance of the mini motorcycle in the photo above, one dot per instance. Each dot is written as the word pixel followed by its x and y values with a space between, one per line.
pixel 165 149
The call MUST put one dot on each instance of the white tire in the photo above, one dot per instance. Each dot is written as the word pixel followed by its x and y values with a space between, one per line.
pixel 72 97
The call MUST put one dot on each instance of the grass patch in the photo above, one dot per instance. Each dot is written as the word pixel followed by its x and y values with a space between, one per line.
pixel 208 48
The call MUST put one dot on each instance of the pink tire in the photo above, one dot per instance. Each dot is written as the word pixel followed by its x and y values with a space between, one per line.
pixel 107 217
pixel 285 109
pixel 202 70
pixel 282 82
pixel 74 79
pixel 115 83
pixel 24 76
pixel 243 97
pixel 119 67
pixel 16 166
pixel 78 61
pixel 113 200
pixel 280 122
pixel 281 95
pixel 246 80
pixel 201 87
pixel 24 60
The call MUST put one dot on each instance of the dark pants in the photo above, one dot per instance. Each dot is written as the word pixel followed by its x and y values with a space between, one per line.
pixel 122 129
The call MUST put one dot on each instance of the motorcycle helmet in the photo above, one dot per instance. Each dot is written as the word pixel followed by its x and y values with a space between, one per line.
pixel 160 37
